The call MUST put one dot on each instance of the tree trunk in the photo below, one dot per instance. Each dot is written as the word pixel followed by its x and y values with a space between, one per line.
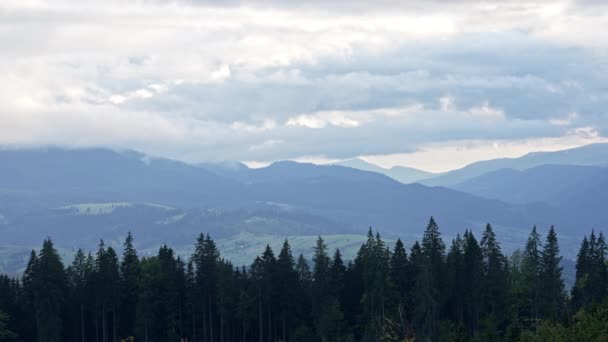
pixel 193 324
pixel 82 323
pixel 244 332
pixel 222 328
pixel 284 326
pixel 269 325
pixel 204 321
pixel 103 323
pixel 210 319
pixel 114 325
pixel 261 323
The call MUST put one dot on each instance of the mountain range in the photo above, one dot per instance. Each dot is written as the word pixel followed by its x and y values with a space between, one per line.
pixel 80 196
pixel 401 174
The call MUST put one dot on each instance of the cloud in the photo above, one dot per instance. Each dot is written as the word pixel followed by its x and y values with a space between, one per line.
pixel 267 80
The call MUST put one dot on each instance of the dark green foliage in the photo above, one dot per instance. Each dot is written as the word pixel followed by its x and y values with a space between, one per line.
pixel 553 296
pixel 49 287
pixel 429 287
pixel 6 334
pixel 495 282
pixel 472 293
pixel 129 275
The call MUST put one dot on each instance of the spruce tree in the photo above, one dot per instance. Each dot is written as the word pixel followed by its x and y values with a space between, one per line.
pixel 495 279
pixel 472 279
pixel 287 284
pixel 455 284
pixel 552 295
pixel 429 282
pixel 401 280
pixel 129 274
pixel 326 312
pixel 531 269
pixel 49 283
pixel 77 275
pixel 580 293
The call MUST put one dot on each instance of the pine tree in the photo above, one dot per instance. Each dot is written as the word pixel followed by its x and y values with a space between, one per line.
pixel 28 297
pixel 597 272
pixel 287 276
pixel 337 274
pixel 269 264
pixel 205 259
pixel 77 275
pixel 428 291
pixel 580 293
pixel 257 273
pixel 472 279
pixel 401 278
pixel 107 289
pixel 129 274
pixel 553 295
pixel 495 279
pixel 455 283
pixel 49 283
pixel 531 268
pixel 326 309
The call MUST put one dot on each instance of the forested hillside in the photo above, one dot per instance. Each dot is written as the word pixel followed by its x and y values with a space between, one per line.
pixel 463 290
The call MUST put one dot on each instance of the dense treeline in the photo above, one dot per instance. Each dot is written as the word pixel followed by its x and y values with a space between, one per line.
pixel 468 292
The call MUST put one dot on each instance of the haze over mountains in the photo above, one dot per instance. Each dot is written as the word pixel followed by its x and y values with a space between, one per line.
pixel 399 173
pixel 80 196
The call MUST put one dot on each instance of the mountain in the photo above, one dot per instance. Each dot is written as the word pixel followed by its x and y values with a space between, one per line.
pixel 80 196
pixel 589 155
pixel 223 167
pixel 402 174
pixel 52 177
pixel 553 184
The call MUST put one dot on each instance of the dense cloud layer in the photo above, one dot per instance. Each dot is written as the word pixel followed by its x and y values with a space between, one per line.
pixel 267 80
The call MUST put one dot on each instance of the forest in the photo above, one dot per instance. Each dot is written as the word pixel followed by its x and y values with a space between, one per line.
pixel 429 291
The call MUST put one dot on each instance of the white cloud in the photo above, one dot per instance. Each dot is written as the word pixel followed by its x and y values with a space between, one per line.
pixel 322 80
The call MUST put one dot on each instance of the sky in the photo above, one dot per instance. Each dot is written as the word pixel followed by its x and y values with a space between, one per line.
pixel 428 84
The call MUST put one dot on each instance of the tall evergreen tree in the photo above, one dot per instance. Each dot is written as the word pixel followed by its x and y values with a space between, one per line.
pixel 472 279
pixel 552 295
pixel 401 279
pixel 129 274
pixel 326 311
pixel 531 270
pixel 580 293
pixel 455 284
pixel 205 259
pixel 495 279
pixel 78 274
pixel 28 300
pixel 597 273
pixel 287 285
pixel 49 283
pixel 429 281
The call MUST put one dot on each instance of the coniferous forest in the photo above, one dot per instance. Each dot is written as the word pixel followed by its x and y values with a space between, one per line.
pixel 463 290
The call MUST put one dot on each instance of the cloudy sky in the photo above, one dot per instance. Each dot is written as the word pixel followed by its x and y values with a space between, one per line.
pixel 433 85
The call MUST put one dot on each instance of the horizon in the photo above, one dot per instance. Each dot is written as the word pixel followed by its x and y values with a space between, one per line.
pixel 433 86
pixel 320 162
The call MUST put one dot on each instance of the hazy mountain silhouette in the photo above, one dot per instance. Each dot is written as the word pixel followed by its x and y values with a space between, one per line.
pixel 594 154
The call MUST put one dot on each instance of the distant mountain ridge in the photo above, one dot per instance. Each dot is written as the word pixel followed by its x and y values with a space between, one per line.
pixel 588 155
pixel 553 184
pixel 402 174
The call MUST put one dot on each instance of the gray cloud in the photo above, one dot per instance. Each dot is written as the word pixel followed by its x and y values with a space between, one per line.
pixel 213 80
